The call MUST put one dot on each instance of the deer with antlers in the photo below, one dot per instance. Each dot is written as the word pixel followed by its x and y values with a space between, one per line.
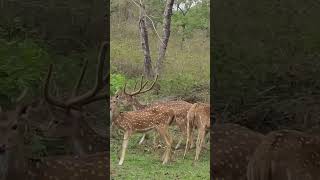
pixel 128 99
pixel 143 120
pixel 286 155
pixel 71 108
pixel 198 116
pixel 180 108
pixel 15 162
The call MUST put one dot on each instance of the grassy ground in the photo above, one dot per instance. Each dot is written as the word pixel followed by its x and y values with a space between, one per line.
pixel 143 162
pixel 186 73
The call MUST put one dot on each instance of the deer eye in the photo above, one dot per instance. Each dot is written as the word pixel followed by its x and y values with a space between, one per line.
pixel 14 127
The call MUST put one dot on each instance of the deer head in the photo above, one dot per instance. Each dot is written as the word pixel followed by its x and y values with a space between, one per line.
pixel 69 112
pixel 128 98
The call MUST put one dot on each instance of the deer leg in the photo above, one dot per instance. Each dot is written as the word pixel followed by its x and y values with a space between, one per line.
pixel 163 131
pixel 124 146
pixel 142 139
pixel 201 135
pixel 188 139
pixel 191 137
pixel 183 130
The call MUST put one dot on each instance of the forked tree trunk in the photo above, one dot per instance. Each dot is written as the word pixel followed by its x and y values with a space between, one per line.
pixel 148 71
pixel 166 34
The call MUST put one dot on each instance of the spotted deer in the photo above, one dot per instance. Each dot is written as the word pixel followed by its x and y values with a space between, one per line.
pixel 198 116
pixel 16 163
pixel 286 155
pixel 69 112
pixel 142 121
pixel 180 108
pixel 232 147
pixel 128 99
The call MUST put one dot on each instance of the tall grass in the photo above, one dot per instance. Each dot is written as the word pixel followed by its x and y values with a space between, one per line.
pixel 185 67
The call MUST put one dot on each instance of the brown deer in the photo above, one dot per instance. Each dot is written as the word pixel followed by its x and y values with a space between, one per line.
pixel 144 120
pixel 15 162
pixel 198 116
pixel 128 99
pixel 71 123
pixel 180 108
pixel 286 155
pixel 232 147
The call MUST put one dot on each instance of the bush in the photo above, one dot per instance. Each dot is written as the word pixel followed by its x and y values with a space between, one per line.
pixel 22 65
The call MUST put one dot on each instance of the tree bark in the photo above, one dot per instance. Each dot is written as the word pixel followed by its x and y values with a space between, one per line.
pixel 166 34
pixel 148 71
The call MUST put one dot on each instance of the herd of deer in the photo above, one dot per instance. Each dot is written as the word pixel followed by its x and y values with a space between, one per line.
pixel 159 116
pixel 238 153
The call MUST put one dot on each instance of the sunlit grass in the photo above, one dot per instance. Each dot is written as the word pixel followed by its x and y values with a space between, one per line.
pixel 143 162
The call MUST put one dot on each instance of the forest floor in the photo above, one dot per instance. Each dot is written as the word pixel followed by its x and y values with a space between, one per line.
pixel 142 162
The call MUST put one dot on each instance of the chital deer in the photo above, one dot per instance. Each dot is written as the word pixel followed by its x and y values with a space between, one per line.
pixel 286 155
pixel 144 120
pixel 180 108
pixel 128 99
pixel 71 108
pixel 232 147
pixel 198 116
pixel 16 165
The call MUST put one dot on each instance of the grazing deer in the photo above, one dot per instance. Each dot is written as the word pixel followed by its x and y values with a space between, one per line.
pixel 232 147
pixel 128 99
pixel 180 108
pixel 144 120
pixel 16 165
pixel 286 155
pixel 71 111
pixel 198 116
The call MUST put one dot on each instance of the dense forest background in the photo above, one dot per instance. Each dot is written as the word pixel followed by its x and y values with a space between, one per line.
pixel 266 58
pixel 186 71
pixel 34 34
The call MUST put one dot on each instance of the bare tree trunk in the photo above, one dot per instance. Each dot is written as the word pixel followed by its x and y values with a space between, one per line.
pixel 148 71
pixel 166 34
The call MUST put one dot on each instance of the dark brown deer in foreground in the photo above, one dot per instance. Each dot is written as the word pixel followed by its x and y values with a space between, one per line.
pixel 180 108
pixel 142 121
pixel 73 124
pixel 232 147
pixel 15 165
pixel 286 155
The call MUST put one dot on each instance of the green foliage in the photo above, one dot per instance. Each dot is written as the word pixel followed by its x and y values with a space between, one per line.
pixel 181 84
pixel 22 65
pixel 192 18
pixel 116 82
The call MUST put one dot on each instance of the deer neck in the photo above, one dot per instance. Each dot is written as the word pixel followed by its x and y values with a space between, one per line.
pixel 76 137
pixel 137 105
pixel 115 114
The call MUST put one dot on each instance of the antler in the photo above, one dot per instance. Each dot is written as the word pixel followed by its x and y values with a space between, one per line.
pixel 142 85
pixel 90 96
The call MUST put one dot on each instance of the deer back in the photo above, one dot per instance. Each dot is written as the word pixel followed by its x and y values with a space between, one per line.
pixel 286 155
pixel 145 119
pixel 232 146
pixel 88 167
